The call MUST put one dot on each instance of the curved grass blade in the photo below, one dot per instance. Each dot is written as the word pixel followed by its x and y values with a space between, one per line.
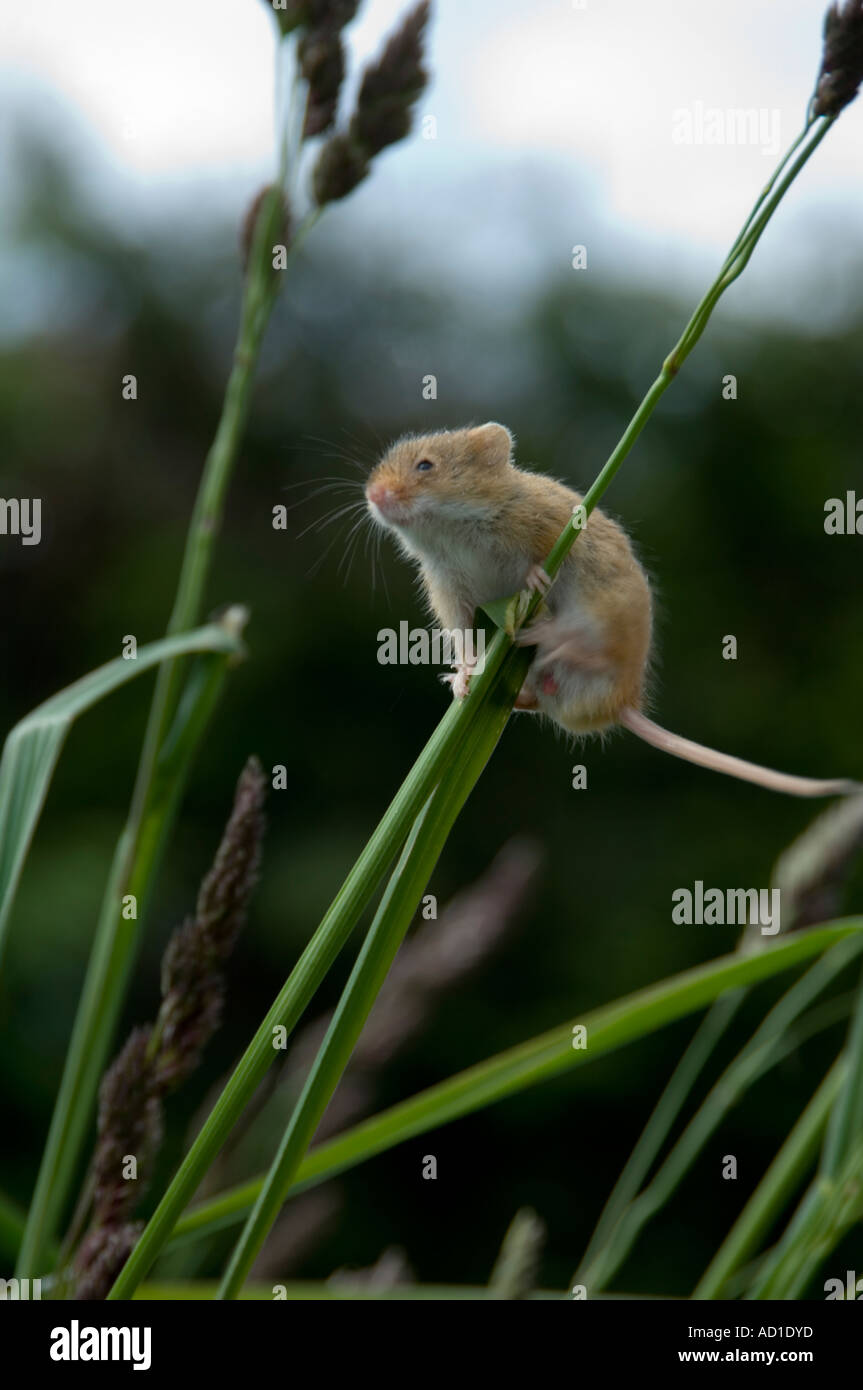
pixel 608 1027
pixel 774 1039
pixel 774 1189
pixel 32 749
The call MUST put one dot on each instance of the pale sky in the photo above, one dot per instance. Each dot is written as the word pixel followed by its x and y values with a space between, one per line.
pixel 555 124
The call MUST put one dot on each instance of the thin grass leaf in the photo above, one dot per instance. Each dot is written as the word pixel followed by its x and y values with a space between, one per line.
pixel 833 1201
pixel 104 985
pixel 517 1069
pixel 487 702
pixel 828 1211
pixel 782 1177
pixel 810 875
pixel 690 1066
pixel 773 1040
pixel 33 747
pixel 385 935
pixel 845 1130
pixel 157 794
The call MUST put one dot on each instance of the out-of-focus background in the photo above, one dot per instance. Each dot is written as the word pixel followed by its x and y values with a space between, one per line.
pixel 134 145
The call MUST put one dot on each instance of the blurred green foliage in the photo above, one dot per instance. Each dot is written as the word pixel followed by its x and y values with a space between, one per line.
pixel 725 501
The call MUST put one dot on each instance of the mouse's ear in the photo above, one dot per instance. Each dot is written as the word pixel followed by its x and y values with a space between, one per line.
pixel 492 443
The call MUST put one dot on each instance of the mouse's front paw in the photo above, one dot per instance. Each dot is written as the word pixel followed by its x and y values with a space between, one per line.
pixel 459 681
pixel 537 580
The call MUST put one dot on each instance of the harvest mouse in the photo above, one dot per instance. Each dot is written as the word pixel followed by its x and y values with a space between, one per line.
pixel 479 529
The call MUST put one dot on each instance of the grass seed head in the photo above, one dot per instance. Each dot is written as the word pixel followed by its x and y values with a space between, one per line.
pixel 388 91
pixel 841 71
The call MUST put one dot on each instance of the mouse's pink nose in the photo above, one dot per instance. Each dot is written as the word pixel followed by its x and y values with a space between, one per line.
pixel 388 500
pixel 377 493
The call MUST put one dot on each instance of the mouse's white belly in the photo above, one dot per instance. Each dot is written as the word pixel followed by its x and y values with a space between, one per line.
pixel 481 573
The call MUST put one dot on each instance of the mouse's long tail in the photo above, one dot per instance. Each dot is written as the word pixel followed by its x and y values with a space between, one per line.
pixel 645 728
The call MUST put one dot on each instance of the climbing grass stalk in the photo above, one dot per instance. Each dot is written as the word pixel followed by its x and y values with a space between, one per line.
pixel 290 1004
pixel 386 934
pixel 805 145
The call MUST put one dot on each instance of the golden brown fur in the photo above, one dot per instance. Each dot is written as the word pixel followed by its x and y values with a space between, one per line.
pixel 479 528
pixel 478 525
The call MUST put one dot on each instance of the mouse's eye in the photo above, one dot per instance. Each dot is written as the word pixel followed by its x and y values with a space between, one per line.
pixel 424 465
